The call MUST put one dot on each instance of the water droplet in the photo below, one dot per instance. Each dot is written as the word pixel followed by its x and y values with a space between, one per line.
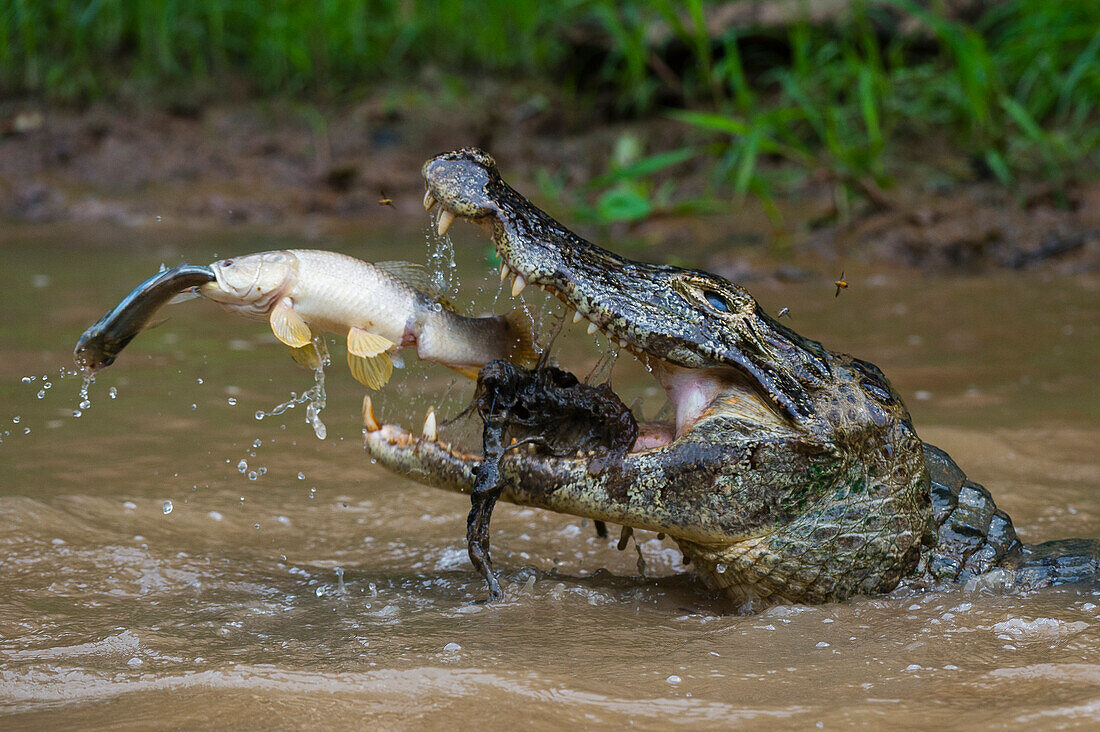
pixel 112 392
pixel 242 466
pixel 452 648
pixel 674 679
pixel 27 379
pixel 256 526
pixel 260 414
pixel 129 505
pixel 194 406
pixel 26 430
pixel 252 475
pixel 47 385
pixel 199 380
pixel 41 393
pixel 312 492
pixel 231 401
pixel 216 515
pixel 77 413
pixel 166 507
pixel 301 476
pixel 16 418
pixel 85 404
pixel 257 443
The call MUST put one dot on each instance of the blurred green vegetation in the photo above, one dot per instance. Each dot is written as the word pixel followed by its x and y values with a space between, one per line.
pixel 1016 90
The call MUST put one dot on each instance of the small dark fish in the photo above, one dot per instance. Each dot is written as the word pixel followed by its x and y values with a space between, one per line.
pixel 101 344
pixel 841 284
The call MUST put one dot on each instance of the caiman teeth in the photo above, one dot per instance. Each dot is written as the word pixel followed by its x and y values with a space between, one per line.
pixel 592 328
pixel 577 317
pixel 370 422
pixel 518 285
pixel 429 430
pixel 445 220
pixel 503 271
pixel 429 200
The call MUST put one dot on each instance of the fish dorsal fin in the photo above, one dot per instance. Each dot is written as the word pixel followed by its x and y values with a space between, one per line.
pixel 366 344
pixel 306 356
pixel 416 276
pixel 372 373
pixel 288 325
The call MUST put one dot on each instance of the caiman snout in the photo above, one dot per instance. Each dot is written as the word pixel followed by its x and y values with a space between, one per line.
pixel 462 182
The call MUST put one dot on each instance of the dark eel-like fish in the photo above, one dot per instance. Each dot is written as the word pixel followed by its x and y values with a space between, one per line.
pixel 100 345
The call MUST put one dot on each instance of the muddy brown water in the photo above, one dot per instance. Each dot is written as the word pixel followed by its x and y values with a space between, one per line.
pixel 327 592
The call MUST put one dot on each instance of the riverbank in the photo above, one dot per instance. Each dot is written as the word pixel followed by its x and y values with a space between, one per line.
pixel 297 168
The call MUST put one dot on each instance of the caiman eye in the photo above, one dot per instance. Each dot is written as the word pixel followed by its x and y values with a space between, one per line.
pixel 717 302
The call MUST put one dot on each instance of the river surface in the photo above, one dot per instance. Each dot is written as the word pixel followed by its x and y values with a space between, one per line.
pixel 168 560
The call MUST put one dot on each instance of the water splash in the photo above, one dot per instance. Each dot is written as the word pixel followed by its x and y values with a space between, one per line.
pixel 314 398
pixel 166 507
pixel 87 380
pixel 441 261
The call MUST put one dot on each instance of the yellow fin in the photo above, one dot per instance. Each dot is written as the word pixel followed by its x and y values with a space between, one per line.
pixel 470 372
pixel 288 325
pixel 522 351
pixel 366 344
pixel 306 356
pixel 372 373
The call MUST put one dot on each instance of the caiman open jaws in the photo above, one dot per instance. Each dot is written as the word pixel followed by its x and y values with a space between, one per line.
pixel 790 473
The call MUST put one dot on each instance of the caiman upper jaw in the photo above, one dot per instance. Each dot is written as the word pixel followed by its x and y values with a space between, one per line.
pixel 685 318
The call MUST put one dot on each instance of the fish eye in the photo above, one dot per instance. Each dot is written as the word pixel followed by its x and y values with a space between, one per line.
pixel 716 301
pixel 227 262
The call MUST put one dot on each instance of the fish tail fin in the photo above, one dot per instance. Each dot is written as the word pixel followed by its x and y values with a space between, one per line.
pixel 522 351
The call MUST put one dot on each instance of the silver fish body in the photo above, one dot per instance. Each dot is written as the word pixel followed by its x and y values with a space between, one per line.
pixel 380 307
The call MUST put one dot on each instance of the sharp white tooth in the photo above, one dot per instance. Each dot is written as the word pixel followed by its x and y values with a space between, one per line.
pixel 429 200
pixel 445 220
pixel 429 426
pixel 518 285
pixel 503 271
pixel 369 420
pixel 591 328
pixel 622 343
pixel 577 317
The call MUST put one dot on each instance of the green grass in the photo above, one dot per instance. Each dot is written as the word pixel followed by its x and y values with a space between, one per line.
pixel 1016 91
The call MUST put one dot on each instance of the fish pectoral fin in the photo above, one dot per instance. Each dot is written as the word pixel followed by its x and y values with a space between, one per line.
pixel 288 325
pixel 470 372
pixel 372 372
pixel 366 344
pixel 306 356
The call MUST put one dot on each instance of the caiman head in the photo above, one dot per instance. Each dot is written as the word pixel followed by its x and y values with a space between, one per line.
pixel 790 472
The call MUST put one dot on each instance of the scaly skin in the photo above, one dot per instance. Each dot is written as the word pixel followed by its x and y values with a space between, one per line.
pixel 794 474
